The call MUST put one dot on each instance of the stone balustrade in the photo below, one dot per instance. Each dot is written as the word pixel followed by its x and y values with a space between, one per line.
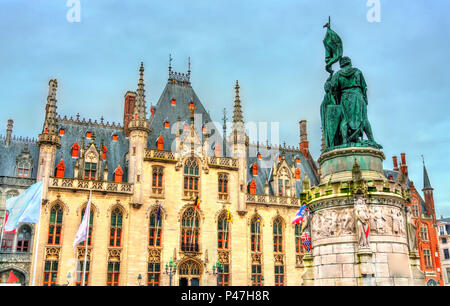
pixel 273 200
pixel 160 155
pixel 223 162
pixel 80 184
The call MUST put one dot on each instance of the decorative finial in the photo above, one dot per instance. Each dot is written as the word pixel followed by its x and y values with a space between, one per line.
pixel 170 63
pixel 189 65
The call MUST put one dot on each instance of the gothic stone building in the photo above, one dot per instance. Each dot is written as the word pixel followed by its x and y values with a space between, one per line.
pixel 153 165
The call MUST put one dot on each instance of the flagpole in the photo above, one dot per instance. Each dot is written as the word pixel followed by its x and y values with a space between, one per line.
pixel 36 246
pixel 192 230
pixel 87 239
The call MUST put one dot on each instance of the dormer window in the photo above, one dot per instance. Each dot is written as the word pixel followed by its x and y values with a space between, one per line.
pixel 297 173
pixel 160 143
pixel 88 135
pixel 60 168
pixel 104 152
pixel 255 169
pixel 75 150
pixel 62 132
pixel 114 137
pixel 191 105
pixel 167 124
pixel 259 156
pixel 118 173
pixel 23 169
pixel 174 102
pixel 297 160
pixel 252 187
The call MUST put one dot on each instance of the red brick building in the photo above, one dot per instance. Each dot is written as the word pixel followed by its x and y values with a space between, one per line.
pixel 424 216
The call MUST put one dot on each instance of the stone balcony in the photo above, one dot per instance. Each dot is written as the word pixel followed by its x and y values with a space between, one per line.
pixel 273 200
pixel 10 257
pixel 17 181
pixel 80 184
pixel 159 155
pixel 223 162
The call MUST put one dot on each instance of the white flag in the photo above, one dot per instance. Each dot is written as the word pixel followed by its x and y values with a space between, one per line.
pixel 83 230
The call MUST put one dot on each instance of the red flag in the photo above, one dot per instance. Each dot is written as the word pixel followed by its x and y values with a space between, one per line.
pixel 12 278
pixel 367 231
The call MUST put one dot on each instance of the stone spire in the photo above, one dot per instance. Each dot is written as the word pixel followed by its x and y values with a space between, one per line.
pixel 224 142
pixel 237 111
pixel 426 179
pixel 140 109
pixel 50 109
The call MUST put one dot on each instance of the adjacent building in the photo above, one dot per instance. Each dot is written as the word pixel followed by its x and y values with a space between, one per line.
pixel 443 231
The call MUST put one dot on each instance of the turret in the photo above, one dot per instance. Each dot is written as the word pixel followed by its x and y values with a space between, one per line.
pixel 138 128
pixel 48 140
pixel 239 150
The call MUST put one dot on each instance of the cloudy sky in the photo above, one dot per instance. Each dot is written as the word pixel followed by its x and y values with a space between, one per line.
pixel 274 49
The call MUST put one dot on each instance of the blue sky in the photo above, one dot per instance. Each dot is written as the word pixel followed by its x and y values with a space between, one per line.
pixel 274 49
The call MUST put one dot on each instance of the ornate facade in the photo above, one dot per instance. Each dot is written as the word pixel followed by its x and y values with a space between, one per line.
pixel 144 176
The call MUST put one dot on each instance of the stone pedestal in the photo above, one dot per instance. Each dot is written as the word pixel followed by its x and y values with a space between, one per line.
pixel 366 267
pixel 417 275
pixel 308 275
pixel 353 187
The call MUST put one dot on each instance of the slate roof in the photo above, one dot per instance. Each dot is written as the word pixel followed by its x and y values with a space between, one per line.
pixel 8 155
pixel 266 167
pixel 75 131
pixel 165 111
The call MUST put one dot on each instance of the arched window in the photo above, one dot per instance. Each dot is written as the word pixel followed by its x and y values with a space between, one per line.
pixel 190 230
pixel 91 222
pixel 115 232
pixel 55 225
pixel 298 240
pixel 191 177
pixel 252 187
pixel 75 150
pixel 23 239
pixel 255 233
pixel 23 169
pixel 157 180
pixel 278 235
pixel 223 186
pixel 50 272
pixel 223 232
pixel 155 228
pixel 60 168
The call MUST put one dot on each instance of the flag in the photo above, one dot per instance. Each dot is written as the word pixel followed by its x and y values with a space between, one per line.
pixel 6 220
pixel 24 208
pixel 83 230
pixel 306 239
pixel 12 277
pixel 229 217
pixel 300 215
pixel 197 203
pixel 367 230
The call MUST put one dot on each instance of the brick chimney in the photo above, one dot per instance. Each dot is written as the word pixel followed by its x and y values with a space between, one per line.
pixel 403 166
pixel 304 145
pixel 394 160
pixel 130 99
pixel 9 129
